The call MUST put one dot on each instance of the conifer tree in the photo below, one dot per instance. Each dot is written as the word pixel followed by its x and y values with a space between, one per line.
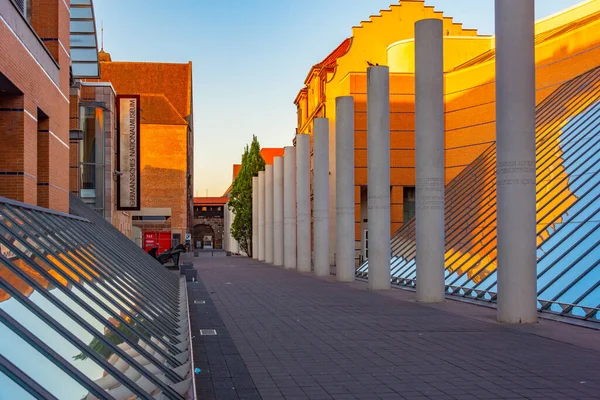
pixel 240 198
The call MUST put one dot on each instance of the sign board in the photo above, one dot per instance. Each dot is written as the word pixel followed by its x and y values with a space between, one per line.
pixel 188 237
pixel 128 152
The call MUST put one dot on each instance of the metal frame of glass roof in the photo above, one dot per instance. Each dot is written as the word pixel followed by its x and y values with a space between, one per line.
pixel 84 313
pixel 84 42
pixel 568 212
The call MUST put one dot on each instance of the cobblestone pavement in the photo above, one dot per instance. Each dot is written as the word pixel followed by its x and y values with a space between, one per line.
pixel 286 335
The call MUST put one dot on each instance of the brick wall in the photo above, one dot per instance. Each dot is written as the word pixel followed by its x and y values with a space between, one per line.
pixel 166 133
pixel 38 94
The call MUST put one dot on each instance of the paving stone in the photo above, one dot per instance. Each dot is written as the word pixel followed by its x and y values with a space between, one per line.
pixel 293 336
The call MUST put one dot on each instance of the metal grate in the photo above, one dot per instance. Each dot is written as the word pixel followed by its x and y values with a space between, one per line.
pixel 199 302
pixel 208 332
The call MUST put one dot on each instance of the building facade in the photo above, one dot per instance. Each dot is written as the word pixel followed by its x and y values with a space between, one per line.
pixel 77 298
pixel 209 223
pixel 34 102
pixel 564 49
pixel 93 151
pixel 166 144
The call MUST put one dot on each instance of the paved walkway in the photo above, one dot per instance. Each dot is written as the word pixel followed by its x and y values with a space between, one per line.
pixel 286 335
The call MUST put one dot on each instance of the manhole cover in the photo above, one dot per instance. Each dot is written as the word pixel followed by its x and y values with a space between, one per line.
pixel 207 332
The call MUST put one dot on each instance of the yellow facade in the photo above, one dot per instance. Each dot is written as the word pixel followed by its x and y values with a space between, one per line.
pixel 566 46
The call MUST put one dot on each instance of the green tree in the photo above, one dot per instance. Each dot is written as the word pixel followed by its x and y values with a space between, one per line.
pixel 240 198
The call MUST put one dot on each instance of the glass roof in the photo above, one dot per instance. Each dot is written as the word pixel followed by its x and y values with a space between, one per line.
pixel 568 212
pixel 84 312
pixel 84 44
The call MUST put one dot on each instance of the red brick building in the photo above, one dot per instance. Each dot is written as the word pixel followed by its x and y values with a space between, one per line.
pixel 166 143
pixel 34 102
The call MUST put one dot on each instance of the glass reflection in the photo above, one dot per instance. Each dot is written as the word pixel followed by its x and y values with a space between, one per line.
pixel 568 210
pixel 128 314
pixel 131 331
pixel 11 390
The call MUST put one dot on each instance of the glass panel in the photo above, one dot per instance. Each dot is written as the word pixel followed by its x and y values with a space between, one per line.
pixel 11 389
pixel 91 156
pixel 84 54
pixel 79 2
pixel 82 70
pixel 20 353
pixel 36 365
pixel 81 12
pixel 83 40
pixel 106 326
pixel 82 26
pixel 568 206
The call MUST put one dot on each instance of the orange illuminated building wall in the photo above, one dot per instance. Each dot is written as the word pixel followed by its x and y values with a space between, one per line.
pixel 166 140
pixel 566 46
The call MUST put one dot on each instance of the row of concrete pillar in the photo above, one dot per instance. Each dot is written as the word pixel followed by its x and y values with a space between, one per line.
pixel 282 206
pixel 281 224
pixel 229 243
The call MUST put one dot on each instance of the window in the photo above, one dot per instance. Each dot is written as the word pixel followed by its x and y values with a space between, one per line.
pixel 91 158
pixel 43 159
pixel 176 240
pixel 409 202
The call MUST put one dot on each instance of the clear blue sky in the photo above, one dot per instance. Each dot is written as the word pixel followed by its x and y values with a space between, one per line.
pixel 250 58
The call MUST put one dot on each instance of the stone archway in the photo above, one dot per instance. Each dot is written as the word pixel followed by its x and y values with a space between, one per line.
pixel 214 224
pixel 201 231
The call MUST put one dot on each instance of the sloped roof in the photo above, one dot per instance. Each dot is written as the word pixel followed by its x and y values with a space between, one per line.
pixel 268 154
pixel 236 170
pixel 331 59
pixel 174 80
pixel 210 201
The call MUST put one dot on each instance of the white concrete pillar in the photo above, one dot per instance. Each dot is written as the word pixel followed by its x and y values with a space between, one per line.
pixel 515 164
pixel 289 207
pixel 321 195
pixel 429 86
pixel 269 214
pixel 261 216
pixel 378 137
pixel 233 244
pixel 278 211
pixel 225 220
pixel 227 234
pixel 303 203
pixel 255 217
pixel 344 148
pixel 332 191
